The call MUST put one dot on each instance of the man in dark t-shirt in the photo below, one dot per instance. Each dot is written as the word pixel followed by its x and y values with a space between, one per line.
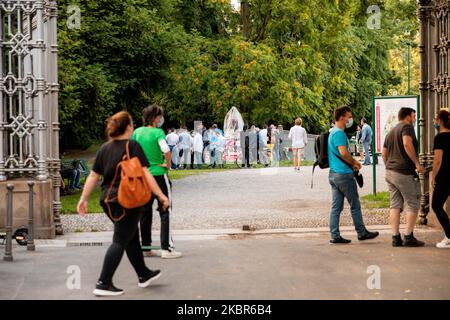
pixel 398 160
pixel 401 160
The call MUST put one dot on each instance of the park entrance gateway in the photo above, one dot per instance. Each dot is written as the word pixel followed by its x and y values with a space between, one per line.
pixel 29 123
pixel 29 127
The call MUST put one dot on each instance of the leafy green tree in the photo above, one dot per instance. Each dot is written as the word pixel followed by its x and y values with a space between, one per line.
pixel 276 60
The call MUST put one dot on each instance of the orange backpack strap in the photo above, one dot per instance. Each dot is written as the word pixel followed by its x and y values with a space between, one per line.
pixel 107 199
pixel 127 149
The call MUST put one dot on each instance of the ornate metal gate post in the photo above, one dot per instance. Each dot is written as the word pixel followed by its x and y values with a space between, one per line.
pixel 29 126
pixel 52 64
pixel 424 49
pixel 434 82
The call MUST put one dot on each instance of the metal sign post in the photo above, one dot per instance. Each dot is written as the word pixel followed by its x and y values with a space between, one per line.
pixel 30 240
pixel 9 223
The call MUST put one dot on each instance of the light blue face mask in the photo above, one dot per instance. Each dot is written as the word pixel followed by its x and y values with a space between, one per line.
pixel 349 123
pixel 437 126
pixel 161 122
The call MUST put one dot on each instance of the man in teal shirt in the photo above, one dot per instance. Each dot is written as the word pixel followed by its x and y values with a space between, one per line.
pixel 342 180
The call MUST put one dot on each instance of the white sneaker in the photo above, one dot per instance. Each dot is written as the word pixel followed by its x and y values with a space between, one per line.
pixel 152 253
pixel 166 254
pixel 444 244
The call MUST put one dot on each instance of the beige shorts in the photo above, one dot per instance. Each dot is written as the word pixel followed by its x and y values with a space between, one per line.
pixel 404 191
pixel 298 152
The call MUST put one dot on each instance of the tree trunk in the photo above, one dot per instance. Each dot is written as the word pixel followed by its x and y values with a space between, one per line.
pixel 245 15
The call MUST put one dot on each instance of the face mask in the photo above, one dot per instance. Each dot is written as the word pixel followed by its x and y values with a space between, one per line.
pixel 161 122
pixel 349 123
pixel 437 126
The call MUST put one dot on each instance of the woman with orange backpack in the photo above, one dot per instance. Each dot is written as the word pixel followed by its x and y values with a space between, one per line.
pixel 110 163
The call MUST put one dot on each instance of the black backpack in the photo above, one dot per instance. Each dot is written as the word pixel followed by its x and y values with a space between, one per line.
pixel 321 150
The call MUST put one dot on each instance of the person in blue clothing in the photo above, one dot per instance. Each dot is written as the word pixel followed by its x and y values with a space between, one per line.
pixel 218 129
pixel 366 140
pixel 342 179
pixel 212 138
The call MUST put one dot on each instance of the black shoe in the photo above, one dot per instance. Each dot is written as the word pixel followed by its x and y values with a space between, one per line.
pixel 340 240
pixel 397 241
pixel 144 282
pixel 106 290
pixel 368 235
pixel 411 241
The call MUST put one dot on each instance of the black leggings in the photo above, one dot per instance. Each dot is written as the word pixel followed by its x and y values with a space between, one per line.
pixel 440 195
pixel 147 217
pixel 126 238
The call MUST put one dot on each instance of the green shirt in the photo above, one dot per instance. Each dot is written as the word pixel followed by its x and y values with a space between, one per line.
pixel 149 139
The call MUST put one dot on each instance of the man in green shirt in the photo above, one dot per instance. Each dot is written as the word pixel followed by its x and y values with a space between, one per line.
pixel 153 141
pixel 151 138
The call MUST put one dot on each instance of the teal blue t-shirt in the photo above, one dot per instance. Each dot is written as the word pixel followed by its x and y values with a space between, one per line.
pixel 336 139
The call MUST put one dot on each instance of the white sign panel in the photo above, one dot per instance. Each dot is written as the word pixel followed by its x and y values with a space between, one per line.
pixel 386 115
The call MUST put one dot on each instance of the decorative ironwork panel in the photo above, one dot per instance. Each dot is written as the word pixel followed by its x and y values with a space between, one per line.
pixel 434 83
pixel 29 126
pixel 22 86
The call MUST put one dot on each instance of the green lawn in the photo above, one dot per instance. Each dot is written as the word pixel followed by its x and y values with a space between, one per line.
pixel 381 200
pixel 69 202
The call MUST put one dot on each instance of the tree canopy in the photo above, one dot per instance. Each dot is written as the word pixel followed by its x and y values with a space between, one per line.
pixel 275 60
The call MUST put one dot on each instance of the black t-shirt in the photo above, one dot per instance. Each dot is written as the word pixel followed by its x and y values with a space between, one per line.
pixel 398 159
pixel 442 142
pixel 110 154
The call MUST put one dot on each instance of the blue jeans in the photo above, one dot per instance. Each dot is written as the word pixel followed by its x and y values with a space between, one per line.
pixel 366 146
pixel 75 180
pixel 344 185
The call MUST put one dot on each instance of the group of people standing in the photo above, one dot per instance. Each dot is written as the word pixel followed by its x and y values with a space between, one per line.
pixel 257 145
pixel 400 155
pixel 261 145
pixel 402 169
pixel 188 147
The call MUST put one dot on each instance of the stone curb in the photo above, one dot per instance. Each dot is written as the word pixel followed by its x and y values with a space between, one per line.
pixel 93 239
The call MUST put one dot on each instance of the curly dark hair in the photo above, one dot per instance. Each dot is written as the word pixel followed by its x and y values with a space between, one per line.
pixel 150 113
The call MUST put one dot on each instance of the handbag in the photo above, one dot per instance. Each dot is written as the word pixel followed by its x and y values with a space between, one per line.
pixel 359 178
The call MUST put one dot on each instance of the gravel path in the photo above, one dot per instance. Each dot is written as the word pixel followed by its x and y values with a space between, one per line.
pixel 261 198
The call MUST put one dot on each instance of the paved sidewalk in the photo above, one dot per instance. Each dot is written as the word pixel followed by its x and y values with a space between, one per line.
pixel 297 265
